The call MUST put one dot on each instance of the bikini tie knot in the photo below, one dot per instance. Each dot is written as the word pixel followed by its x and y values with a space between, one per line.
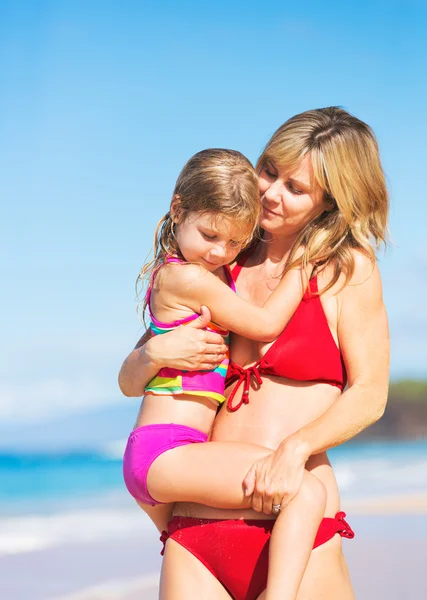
pixel 242 375
pixel 163 537
pixel 347 531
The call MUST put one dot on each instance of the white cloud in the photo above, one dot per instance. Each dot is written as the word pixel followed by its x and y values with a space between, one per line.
pixel 53 376
pixel 52 397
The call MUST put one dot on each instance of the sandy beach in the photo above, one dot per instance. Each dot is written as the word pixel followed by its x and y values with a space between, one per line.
pixel 415 503
pixel 386 559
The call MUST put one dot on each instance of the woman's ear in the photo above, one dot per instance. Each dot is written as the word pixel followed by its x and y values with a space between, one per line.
pixel 330 203
pixel 176 209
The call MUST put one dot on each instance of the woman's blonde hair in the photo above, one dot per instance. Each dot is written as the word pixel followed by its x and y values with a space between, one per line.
pixel 346 164
pixel 217 181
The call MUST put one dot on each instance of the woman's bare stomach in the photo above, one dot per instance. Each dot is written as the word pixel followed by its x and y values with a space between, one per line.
pixel 275 411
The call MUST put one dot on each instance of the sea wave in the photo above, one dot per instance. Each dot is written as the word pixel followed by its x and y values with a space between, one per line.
pixel 370 477
pixel 110 451
pixel 38 532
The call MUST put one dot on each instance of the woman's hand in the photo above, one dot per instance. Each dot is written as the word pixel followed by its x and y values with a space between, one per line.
pixel 277 478
pixel 190 348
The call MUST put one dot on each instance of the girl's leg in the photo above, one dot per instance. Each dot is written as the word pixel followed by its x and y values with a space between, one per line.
pixel 326 576
pixel 184 577
pixel 208 473
pixel 211 473
pixel 160 514
pixel 292 539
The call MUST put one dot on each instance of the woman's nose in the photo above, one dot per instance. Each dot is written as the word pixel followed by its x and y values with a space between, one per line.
pixel 274 191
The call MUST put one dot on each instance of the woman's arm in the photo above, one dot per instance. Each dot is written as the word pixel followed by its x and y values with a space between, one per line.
pixel 192 286
pixel 190 348
pixel 364 342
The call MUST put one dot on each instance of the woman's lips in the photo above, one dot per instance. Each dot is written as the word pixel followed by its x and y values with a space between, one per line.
pixel 268 211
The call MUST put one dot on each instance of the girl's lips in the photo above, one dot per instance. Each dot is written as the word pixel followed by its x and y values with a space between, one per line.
pixel 211 263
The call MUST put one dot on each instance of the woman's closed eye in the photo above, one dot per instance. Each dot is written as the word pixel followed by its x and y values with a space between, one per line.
pixel 294 190
pixel 270 173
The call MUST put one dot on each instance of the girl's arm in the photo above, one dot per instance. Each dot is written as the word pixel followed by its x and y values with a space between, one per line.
pixel 191 286
pixel 190 348
pixel 364 342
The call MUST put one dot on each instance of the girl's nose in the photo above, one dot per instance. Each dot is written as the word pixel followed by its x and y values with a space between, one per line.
pixel 219 250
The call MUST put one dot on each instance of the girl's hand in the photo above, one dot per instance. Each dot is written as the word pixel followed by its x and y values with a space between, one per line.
pixel 277 478
pixel 190 347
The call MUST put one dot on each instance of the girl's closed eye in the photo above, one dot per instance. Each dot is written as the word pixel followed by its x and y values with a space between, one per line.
pixel 207 236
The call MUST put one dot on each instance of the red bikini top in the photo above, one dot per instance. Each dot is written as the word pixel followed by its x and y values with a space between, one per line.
pixel 304 351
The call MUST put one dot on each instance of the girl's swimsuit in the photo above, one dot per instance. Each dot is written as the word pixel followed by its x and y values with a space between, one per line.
pixel 236 551
pixel 210 384
pixel 148 442
pixel 144 445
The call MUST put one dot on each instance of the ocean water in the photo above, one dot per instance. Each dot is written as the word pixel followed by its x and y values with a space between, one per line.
pixel 49 499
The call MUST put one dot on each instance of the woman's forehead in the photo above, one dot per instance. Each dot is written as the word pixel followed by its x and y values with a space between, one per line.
pixel 302 172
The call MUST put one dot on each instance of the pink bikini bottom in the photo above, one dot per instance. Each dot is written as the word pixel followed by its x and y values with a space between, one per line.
pixel 144 445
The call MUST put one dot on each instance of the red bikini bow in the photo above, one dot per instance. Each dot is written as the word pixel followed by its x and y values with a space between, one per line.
pixel 347 532
pixel 163 537
pixel 242 375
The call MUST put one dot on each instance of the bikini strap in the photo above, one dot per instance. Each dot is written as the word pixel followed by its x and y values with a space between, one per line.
pixel 241 260
pixel 168 259
pixel 229 277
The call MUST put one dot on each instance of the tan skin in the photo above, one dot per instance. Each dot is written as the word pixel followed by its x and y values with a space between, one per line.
pixel 300 420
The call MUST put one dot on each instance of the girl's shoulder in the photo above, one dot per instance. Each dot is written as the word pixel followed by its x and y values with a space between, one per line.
pixel 173 275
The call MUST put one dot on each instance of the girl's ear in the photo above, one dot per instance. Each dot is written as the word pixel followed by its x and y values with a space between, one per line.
pixel 176 209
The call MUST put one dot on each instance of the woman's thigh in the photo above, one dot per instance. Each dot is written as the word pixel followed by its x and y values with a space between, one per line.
pixel 184 577
pixel 326 576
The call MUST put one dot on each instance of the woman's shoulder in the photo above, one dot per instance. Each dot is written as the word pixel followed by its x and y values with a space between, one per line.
pixel 365 267
pixel 362 272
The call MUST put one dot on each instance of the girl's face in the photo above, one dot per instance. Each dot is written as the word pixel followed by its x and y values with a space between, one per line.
pixel 209 239
pixel 289 200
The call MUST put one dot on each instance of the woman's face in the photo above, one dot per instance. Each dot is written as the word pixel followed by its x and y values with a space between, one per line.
pixel 289 200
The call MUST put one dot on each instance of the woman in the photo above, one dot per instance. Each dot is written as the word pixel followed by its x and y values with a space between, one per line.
pixel 321 186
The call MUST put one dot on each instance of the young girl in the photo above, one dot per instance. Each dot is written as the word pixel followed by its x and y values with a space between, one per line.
pixel 213 215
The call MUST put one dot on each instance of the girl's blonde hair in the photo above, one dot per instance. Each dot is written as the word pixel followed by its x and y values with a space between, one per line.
pixel 217 181
pixel 346 164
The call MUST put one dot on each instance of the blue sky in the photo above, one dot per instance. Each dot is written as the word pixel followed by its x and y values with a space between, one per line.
pixel 102 102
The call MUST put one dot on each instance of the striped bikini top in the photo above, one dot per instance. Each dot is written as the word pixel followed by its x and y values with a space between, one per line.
pixel 158 327
pixel 168 381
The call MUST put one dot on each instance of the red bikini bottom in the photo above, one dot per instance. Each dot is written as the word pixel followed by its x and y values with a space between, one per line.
pixel 236 551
